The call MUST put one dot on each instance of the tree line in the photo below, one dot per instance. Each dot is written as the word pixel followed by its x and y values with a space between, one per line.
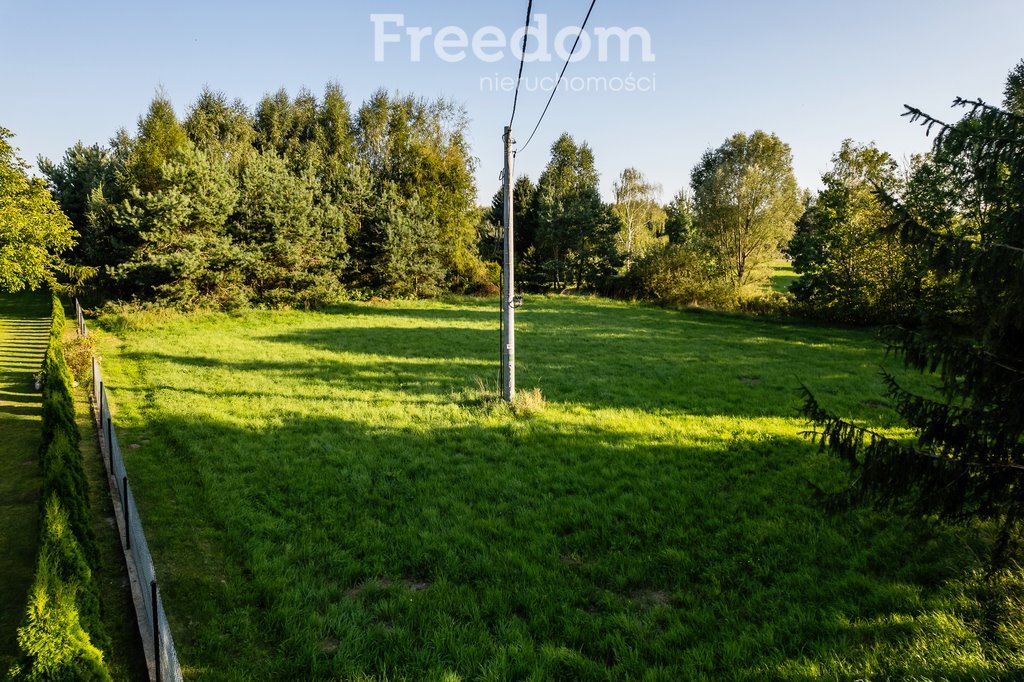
pixel 301 201
pixel 708 246
pixel 304 201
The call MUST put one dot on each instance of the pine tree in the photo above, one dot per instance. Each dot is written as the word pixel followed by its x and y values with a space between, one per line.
pixel 967 461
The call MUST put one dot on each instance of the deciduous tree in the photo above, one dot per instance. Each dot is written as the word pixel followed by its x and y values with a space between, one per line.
pixel 746 203
pixel 640 215
pixel 849 270
pixel 33 230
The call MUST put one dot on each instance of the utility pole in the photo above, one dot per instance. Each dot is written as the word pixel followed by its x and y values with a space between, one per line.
pixel 508 311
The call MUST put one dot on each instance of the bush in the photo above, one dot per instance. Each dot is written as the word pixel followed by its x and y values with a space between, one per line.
pixel 678 275
pixel 54 642
pixel 78 354
pixel 769 304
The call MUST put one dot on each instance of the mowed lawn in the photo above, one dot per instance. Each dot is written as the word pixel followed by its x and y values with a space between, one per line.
pixel 24 334
pixel 328 496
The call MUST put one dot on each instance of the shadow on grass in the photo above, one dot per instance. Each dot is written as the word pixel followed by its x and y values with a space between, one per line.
pixel 622 357
pixel 501 548
pixel 24 332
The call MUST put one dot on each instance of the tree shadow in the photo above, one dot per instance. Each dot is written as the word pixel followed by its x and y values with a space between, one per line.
pixel 331 547
pixel 623 357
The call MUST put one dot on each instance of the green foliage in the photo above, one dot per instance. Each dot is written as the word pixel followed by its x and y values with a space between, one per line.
pixel 282 206
pixel 296 247
pixel 679 275
pixel 33 230
pixel 851 271
pixel 62 636
pixel 524 215
pixel 406 239
pixel 55 644
pixel 161 139
pixel 221 129
pixel 679 219
pixel 575 241
pixel 641 219
pixel 184 255
pixel 746 204
pixel 82 171
pixel 1013 94
pixel 968 456
pixel 416 148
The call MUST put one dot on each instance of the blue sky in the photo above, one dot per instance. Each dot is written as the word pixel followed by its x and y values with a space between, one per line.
pixel 813 72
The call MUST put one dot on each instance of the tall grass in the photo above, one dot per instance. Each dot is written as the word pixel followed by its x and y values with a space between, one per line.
pixel 328 495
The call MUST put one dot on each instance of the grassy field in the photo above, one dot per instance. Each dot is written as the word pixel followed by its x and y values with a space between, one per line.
pixel 24 333
pixel 783 276
pixel 329 496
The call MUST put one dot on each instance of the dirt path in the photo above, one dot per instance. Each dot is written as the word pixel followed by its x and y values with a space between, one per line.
pixel 24 332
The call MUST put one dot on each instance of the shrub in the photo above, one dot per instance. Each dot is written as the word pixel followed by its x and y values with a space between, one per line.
pixel 769 304
pixel 78 354
pixel 54 643
pixel 679 275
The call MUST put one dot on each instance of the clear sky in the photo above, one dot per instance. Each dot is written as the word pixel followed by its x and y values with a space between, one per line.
pixel 812 71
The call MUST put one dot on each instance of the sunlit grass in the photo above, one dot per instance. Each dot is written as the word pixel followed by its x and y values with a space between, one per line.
pixel 334 495
pixel 783 276
pixel 24 333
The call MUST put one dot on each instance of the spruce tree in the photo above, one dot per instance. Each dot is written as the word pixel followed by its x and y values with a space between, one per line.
pixel 967 460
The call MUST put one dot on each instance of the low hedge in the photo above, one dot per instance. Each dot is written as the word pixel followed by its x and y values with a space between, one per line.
pixel 62 636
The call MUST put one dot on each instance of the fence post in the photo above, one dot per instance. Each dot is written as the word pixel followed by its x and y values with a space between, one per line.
pixel 127 520
pixel 110 443
pixel 156 628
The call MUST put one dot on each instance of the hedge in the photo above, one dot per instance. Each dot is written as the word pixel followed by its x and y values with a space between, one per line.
pixel 62 636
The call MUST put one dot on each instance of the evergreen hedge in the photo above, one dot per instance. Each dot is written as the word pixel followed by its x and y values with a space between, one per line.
pixel 62 636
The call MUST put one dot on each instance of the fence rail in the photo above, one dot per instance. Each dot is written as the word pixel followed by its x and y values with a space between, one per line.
pixel 161 655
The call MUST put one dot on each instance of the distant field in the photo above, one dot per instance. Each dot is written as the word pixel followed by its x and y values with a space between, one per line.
pixel 328 497
pixel 783 275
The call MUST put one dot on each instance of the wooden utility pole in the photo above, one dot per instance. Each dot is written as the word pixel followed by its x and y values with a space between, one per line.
pixel 508 311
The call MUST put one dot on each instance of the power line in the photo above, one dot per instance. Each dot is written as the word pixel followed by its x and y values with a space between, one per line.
pixel 522 59
pixel 561 75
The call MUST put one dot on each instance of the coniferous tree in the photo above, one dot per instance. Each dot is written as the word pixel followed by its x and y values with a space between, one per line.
pixel 524 209
pixel 297 252
pixel 575 229
pixel 679 225
pixel 968 458
pixel 72 181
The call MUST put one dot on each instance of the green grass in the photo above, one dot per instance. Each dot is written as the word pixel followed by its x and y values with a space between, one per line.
pixel 24 333
pixel 783 276
pixel 328 496
pixel 125 659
